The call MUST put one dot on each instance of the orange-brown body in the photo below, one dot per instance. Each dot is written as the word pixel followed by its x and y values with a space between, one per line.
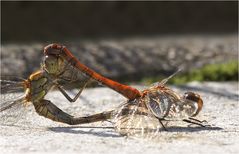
pixel 61 51
pixel 59 64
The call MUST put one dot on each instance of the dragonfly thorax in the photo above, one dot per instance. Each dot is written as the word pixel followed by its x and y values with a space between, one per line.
pixel 158 103
pixel 39 85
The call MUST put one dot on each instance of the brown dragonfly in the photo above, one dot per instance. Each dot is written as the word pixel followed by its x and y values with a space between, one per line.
pixel 158 103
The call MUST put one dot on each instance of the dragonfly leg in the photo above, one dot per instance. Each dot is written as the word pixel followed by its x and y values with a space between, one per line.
pixel 76 96
pixel 160 121
pixel 203 121
pixel 196 122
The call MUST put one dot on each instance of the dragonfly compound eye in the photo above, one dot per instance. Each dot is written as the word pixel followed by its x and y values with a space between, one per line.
pixel 194 100
pixel 191 96
pixel 53 64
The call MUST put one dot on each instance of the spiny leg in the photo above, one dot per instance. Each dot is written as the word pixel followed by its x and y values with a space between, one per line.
pixel 196 122
pixel 76 96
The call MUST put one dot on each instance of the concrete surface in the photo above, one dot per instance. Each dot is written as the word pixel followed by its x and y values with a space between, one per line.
pixel 33 133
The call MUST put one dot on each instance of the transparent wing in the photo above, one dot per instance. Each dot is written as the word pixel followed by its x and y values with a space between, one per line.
pixel 132 119
pixel 11 89
pixel 13 113
pixel 164 81
pixel 72 77
pixel 182 110
pixel 12 98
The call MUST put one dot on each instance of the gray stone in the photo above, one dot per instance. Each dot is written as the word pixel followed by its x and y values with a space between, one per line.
pixel 120 58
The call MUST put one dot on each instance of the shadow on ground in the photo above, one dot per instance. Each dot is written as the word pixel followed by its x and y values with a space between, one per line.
pixel 109 131
pixel 101 131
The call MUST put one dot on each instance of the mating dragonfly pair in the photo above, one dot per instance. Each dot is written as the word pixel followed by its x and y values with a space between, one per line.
pixel 145 110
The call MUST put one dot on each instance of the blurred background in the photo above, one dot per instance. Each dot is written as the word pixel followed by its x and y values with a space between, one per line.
pixel 126 41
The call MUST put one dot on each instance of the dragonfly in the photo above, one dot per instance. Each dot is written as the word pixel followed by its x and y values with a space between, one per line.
pixel 149 109
pixel 58 66
pixel 157 108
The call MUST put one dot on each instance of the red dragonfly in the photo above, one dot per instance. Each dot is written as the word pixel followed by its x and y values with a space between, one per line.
pixel 58 66
pixel 156 104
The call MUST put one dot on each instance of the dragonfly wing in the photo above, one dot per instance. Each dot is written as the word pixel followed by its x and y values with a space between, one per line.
pixel 133 120
pixel 11 112
pixel 11 91
pixel 182 110
pixel 12 98
pixel 164 81
pixel 72 77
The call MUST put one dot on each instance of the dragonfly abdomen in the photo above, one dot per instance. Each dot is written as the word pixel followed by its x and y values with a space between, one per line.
pixel 47 109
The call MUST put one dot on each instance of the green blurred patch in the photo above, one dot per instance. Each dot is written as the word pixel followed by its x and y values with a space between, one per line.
pixel 211 72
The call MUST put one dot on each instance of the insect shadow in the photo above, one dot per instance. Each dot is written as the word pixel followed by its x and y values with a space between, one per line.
pixel 97 131
pixel 192 129
pixel 111 133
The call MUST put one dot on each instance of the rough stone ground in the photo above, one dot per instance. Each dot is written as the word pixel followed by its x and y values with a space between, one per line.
pixel 33 133
pixel 128 57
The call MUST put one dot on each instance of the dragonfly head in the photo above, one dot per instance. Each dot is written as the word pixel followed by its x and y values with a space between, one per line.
pixel 195 100
pixel 53 64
